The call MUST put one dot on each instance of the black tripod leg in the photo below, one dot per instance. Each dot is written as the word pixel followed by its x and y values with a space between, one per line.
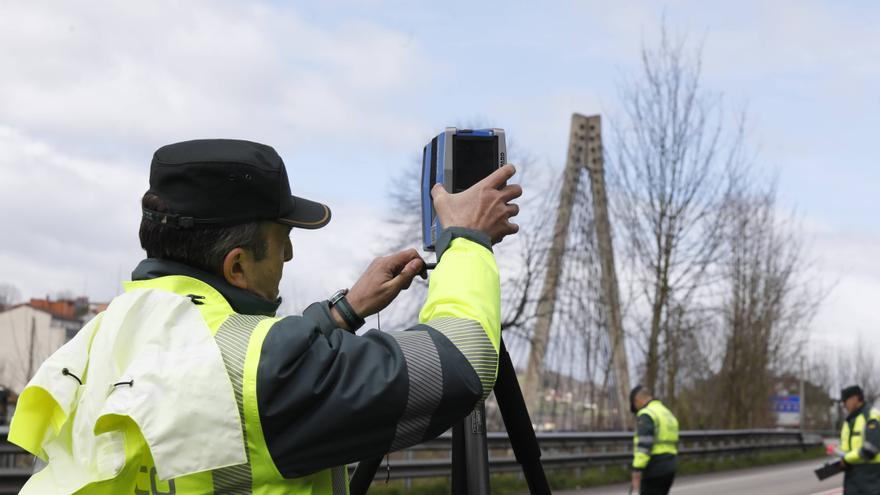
pixel 363 476
pixel 476 451
pixel 519 425
pixel 459 460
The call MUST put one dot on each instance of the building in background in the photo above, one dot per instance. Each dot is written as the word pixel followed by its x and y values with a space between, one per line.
pixel 31 332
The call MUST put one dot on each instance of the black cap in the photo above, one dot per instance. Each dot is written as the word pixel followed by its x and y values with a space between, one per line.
pixel 632 398
pixel 227 182
pixel 850 391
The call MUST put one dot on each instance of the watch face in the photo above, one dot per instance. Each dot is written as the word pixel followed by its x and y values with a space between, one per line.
pixel 337 296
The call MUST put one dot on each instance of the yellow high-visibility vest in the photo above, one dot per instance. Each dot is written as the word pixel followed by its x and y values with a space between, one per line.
pixel 852 440
pixel 128 425
pixel 665 440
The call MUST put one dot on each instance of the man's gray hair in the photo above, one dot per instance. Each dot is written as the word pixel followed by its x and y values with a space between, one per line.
pixel 204 248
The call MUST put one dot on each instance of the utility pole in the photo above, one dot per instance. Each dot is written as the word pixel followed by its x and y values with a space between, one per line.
pixel 803 399
pixel 30 368
pixel 584 151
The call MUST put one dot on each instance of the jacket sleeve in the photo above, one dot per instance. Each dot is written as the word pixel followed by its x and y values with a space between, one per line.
pixel 870 444
pixel 643 442
pixel 327 397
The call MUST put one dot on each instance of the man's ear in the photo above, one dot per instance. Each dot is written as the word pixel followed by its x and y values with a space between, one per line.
pixel 234 268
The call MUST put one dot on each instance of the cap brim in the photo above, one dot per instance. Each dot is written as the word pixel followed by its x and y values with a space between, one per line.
pixel 306 214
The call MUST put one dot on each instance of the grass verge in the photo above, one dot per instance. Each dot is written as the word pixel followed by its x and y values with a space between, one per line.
pixel 510 483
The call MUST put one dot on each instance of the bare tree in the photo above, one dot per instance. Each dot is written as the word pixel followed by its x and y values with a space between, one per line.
pixel 672 165
pixel 9 295
pixel 767 303
pixel 820 392
pixel 857 364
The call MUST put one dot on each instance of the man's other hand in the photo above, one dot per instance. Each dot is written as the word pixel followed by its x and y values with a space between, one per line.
pixel 383 280
pixel 636 481
pixel 485 206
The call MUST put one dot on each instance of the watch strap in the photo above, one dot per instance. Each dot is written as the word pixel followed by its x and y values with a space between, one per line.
pixel 348 314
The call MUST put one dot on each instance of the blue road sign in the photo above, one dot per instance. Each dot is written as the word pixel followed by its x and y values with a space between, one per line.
pixel 786 403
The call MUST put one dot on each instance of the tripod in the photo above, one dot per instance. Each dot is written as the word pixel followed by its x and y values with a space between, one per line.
pixel 470 455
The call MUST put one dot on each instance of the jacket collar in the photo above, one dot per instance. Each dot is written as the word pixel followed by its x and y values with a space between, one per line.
pixel 855 414
pixel 242 301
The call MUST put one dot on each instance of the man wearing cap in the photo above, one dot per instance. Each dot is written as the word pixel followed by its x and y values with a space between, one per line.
pixel 189 383
pixel 860 442
pixel 655 453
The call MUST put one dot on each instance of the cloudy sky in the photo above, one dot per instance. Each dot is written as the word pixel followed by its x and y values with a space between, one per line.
pixel 348 92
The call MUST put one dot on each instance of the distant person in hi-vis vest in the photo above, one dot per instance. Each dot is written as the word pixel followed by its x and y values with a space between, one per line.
pixel 860 442
pixel 655 452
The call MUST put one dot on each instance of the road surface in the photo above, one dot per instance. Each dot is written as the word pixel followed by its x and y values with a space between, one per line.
pixel 781 479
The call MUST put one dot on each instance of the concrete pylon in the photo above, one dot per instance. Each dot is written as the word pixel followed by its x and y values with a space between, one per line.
pixel 584 152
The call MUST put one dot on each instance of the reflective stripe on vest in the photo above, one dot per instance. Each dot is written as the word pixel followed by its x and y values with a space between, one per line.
pixel 232 338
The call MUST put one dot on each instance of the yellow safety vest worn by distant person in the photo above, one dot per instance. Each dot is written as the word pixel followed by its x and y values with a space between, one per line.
pixel 860 439
pixel 188 385
pixel 656 440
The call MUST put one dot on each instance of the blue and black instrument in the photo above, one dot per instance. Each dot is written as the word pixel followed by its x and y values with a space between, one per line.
pixel 458 159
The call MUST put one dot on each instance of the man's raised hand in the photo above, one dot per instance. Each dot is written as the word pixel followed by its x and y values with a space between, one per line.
pixel 485 206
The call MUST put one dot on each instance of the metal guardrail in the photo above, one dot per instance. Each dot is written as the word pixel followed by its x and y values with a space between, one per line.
pixel 591 449
pixel 560 451
pixel 12 459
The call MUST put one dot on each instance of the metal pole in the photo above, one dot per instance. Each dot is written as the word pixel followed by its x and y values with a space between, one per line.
pixel 458 458
pixel 30 369
pixel 803 399
pixel 476 451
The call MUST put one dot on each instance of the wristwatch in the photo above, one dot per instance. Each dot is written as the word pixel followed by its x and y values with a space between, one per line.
pixel 351 318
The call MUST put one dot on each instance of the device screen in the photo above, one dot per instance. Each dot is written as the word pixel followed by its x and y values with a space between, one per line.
pixel 475 158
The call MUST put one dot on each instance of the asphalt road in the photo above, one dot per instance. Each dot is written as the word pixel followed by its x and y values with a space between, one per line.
pixel 781 479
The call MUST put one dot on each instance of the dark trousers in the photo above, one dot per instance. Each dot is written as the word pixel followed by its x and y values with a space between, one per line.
pixel 656 486
pixel 862 479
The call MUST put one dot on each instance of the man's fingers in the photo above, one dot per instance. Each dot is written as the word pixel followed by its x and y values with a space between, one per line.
pixel 511 192
pixel 512 210
pixel 507 229
pixel 499 177
pixel 400 259
pixel 403 279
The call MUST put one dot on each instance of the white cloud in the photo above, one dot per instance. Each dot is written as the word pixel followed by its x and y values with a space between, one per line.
pixel 147 72
pixel 67 219
pixel 98 81
pixel 827 42
pixel 847 264
pixel 70 223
